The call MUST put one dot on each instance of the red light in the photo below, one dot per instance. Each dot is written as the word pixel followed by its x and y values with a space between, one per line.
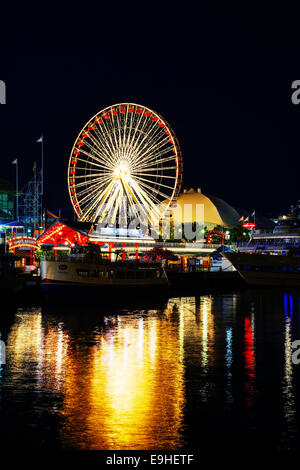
pixel 249 225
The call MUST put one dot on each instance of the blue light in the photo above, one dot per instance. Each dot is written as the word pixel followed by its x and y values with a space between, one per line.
pixel 291 305
pixel 285 305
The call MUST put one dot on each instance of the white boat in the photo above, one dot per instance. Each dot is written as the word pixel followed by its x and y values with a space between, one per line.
pixel 271 258
pixel 86 267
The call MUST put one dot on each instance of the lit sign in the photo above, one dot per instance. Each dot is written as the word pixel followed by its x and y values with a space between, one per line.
pixel 120 231
pixel 249 225
pixel 18 242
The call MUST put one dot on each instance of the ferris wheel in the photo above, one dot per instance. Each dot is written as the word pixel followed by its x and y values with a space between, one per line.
pixel 126 152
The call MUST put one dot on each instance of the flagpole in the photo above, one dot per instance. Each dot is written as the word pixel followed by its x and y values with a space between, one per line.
pixel 17 189
pixel 42 166
pixel 35 198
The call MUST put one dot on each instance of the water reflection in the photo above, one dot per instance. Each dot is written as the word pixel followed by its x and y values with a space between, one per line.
pixel 228 365
pixel 289 409
pixel 249 357
pixel 143 379
pixel 134 389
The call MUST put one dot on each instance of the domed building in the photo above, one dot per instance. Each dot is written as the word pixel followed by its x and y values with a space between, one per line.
pixel 216 211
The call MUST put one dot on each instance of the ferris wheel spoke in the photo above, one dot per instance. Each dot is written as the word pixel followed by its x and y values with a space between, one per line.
pixel 143 134
pixel 139 204
pixel 149 141
pixel 99 145
pixel 116 128
pixel 154 155
pixel 108 125
pixel 89 179
pixel 154 135
pixel 136 201
pixel 89 193
pixel 159 176
pixel 149 137
pixel 91 162
pixel 107 136
pixel 146 199
pixel 134 138
pixel 99 198
pixel 86 192
pixel 98 157
pixel 150 181
pixel 150 194
pixel 156 160
pixel 109 201
pixel 131 119
pixel 156 149
pixel 117 202
pixel 157 168
pixel 89 175
pixel 145 185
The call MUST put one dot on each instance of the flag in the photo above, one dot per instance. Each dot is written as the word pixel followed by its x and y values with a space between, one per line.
pixel 40 139
pixel 15 161
pixel 241 219
pixel 50 215
pixel 253 214
pixel 247 218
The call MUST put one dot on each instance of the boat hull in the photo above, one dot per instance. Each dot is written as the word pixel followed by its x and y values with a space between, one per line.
pixel 266 270
pixel 102 281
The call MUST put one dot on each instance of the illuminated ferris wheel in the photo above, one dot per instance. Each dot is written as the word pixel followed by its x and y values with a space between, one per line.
pixel 126 152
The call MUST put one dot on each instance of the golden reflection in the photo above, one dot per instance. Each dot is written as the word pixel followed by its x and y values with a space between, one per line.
pixel 39 352
pixel 128 393
pixel 124 389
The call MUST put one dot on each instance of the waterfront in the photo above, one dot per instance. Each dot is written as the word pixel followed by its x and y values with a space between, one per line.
pixel 213 370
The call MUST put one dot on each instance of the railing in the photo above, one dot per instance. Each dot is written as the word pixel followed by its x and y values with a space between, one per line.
pixel 95 260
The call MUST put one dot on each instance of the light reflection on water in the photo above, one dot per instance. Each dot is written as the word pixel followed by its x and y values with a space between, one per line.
pixel 147 379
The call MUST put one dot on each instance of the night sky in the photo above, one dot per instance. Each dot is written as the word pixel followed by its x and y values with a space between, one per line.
pixel 220 76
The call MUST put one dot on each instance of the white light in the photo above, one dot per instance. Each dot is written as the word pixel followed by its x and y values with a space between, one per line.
pixel 122 170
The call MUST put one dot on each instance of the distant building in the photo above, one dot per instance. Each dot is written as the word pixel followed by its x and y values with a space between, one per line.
pixel 216 211
pixel 7 201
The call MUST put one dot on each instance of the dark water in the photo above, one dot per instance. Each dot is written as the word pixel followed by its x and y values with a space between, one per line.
pixel 195 372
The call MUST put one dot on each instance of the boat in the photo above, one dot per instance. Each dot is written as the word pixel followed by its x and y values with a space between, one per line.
pixel 271 258
pixel 86 267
